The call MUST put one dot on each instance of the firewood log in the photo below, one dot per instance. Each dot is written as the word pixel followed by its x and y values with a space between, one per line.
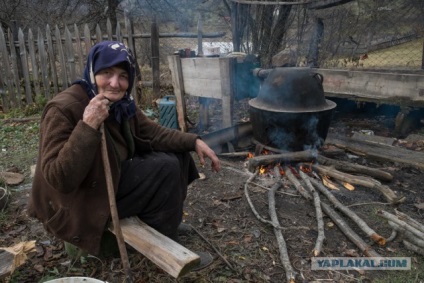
pixel 349 167
pixel 367 182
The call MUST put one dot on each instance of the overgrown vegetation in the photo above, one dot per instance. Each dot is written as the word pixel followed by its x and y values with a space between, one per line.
pixel 19 143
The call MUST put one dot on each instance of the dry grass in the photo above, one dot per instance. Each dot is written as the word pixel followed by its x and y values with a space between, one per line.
pixel 406 56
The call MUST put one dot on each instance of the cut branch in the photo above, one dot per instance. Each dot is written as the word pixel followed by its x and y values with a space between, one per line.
pixel 252 207
pixel 413 247
pixel 392 236
pixel 234 154
pixel 349 213
pixel 284 256
pixel 362 181
pixel 401 223
pixel 409 220
pixel 410 237
pixel 297 184
pixel 318 214
pixel 297 156
pixel 355 168
pixel 343 226
pixel 378 151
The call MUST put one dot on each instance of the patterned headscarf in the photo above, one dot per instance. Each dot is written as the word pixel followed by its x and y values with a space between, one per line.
pixel 104 55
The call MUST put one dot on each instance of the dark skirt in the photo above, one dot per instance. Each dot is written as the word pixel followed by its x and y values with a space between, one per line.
pixel 153 187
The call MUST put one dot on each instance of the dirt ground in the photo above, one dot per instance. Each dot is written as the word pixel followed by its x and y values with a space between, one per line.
pixel 244 248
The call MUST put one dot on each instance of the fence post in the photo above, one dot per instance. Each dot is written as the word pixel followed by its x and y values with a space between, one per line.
pixel 200 37
pixel 62 61
pixel 5 71
pixel 34 65
pixel 14 60
pixel 235 27
pixel 154 41
pixel 24 66
pixel 178 85
pixel 131 44
pixel 52 60
pixel 44 66
pixel 422 58
pixel 12 45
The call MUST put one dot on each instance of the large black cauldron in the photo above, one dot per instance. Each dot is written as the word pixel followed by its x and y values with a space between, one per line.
pixel 290 111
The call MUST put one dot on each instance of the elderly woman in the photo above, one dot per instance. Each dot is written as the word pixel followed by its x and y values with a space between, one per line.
pixel 151 165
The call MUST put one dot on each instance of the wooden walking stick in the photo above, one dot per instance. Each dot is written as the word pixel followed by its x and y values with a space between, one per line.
pixel 113 210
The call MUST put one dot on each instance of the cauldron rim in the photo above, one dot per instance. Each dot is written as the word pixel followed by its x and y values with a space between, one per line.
pixel 259 104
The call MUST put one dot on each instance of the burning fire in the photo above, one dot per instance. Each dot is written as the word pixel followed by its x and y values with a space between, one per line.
pixel 306 169
pixel 282 173
pixel 265 152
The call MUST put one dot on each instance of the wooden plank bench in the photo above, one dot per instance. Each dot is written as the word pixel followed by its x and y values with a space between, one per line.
pixel 167 254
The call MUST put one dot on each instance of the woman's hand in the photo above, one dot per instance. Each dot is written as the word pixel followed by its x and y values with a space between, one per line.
pixel 96 111
pixel 203 150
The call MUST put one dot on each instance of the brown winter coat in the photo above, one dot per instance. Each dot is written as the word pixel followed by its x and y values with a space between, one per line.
pixel 69 194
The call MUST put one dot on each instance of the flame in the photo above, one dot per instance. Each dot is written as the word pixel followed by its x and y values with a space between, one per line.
pixel 265 152
pixel 250 155
pixel 306 169
pixel 282 173
pixel 293 170
pixel 262 170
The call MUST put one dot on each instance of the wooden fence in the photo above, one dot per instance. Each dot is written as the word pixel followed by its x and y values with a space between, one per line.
pixel 48 63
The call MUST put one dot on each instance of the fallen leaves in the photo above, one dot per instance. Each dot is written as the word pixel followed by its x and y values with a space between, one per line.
pixel 15 256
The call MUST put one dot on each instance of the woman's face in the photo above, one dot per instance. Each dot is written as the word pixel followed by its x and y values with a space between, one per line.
pixel 112 83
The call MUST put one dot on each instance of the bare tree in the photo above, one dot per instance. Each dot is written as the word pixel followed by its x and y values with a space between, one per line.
pixel 259 28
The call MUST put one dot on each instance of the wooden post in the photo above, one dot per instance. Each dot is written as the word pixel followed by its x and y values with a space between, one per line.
pixel 6 75
pixel 154 41
pixel 14 66
pixel 422 58
pixel 24 67
pixel 15 33
pixel 178 85
pixel 81 61
pixel 226 70
pixel 70 57
pixel 99 35
pixel 235 27
pixel 200 37
pixel 43 65
pixel 52 59
pixel 34 65
pixel 131 44
pixel 204 113
pixel 109 29
pixel 87 39
pixel 61 55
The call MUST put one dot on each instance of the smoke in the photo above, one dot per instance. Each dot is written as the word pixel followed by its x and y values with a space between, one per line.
pixel 314 139
pixel 299 134
pixel 282 138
